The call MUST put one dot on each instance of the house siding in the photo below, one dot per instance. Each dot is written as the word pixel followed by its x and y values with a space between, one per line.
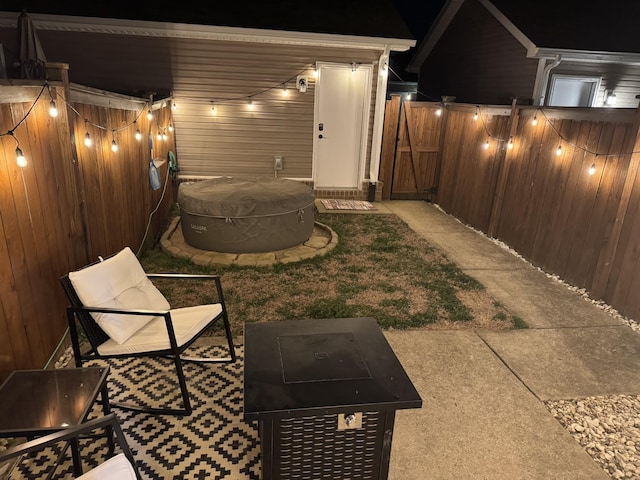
pixel 624 80
pixel 478 61
pixel 236 141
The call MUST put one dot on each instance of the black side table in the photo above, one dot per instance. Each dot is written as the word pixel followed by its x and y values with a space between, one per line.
pixel 325 394
pixel 37 402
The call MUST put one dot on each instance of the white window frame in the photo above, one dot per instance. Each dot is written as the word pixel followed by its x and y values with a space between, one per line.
pixel 596 81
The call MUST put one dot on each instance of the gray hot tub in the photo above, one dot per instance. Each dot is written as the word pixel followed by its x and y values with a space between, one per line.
pixel 246 215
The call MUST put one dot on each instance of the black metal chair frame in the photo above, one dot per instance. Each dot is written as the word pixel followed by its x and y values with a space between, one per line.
pixel 96 336
pixel 73 434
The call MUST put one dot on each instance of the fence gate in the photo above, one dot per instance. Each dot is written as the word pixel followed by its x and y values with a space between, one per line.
pixel 411 146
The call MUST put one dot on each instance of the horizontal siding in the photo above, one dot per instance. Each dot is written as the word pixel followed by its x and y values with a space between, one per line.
pixel 624 80
pixel 235 141
pixel 478 60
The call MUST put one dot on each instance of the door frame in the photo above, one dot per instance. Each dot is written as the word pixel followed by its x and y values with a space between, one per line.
pixel 364 133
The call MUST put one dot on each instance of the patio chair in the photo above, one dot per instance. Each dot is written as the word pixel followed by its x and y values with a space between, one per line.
pixel 124 315
pixel 119 467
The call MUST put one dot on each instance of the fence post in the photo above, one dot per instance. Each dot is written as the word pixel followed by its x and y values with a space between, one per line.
pixel 608 252
pixel 503 170
pixel 60 72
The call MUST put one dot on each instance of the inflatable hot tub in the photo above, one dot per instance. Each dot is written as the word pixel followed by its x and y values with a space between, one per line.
pixel 246 215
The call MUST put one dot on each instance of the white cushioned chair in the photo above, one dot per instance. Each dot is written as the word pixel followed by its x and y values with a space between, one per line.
pixel 119 467
pixel 123 314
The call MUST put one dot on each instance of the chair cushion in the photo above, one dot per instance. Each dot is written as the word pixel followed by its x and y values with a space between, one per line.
pixel 118 282
pixel 187 323
pixel 116 468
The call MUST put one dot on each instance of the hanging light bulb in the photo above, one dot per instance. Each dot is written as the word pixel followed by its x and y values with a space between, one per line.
pixel 486 145
pixel 149 114
pixel 534 122
pixel 138 134
pixel 285 92
pixel 315 72
pixel 559 150
pixel 213 109
pixel 592 169
pixel 476 115
pixel 251 105
pixel 438 111
pixel 407 96
pixel 510 144
pixel 170 128
pixel 20 160
pixel 53 110
pixel 174 105
pixel 159 134
pixel 114 145
pixel 164 136
pixel 87 140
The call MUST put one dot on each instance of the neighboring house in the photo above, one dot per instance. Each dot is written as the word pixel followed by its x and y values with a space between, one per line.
pixel 327 129
pixel 546 52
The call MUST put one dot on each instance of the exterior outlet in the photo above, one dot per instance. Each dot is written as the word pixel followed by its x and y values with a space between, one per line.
pixel 277 162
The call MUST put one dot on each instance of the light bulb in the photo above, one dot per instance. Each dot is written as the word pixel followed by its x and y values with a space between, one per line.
pixel 534 122
pixel 285 92
pixel 592 169
pixel 149 115
pixel 164 136
pixel 170 127
pixel 114 146
pixel 408 96
pixel 475 116
pixel 87 140
pixel 486 145
pixel 438 112
pixel 251 105
pixel 315 73
pixel 213 110
pixel 559 150
pixel 53 110
pixel 510 144
pixel 174 105
pixel 385 71
pixel 159 135
pixel 20 160
pixel 138 134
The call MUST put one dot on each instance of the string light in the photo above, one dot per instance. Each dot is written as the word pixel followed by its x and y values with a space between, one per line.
pixel 138 134
pixel 510 144
pixel 213 109
pixel 534 122
pixel 476 115
pixel 486 145
pixel 170 128
pixel 20 160
pixel 559 150
pixel 53 110
pixel 315 72
pixel 114 146
pixel 285 92
pixel 250 104
pixel 87 137
pixel 407 96
pixel 149 114
pixel 174 105
pixel 438 111
pixel 159 134
pixel 164 136
pixel 592 169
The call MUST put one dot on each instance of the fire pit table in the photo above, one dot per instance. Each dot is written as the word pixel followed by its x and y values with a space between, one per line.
pixel 325 393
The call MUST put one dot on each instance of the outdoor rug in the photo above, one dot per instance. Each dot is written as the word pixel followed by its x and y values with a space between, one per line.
pixel 347 205
pixel 214 442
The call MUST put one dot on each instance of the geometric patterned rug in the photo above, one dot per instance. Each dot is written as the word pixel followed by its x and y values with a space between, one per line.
pixel 214 442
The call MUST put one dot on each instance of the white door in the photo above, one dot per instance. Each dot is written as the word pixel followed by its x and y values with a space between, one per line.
pixel 342 108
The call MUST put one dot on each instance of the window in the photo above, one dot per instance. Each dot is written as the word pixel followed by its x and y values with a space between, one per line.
pixel 573 91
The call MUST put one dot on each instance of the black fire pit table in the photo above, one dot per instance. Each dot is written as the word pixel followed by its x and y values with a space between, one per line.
pixel 325 393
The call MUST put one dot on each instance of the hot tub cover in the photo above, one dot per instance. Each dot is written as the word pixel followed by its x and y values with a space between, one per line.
pixel 244 215
pixel 231 197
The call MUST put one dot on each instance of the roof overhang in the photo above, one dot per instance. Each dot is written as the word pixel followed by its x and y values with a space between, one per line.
pixel 204 32
pixel 586 56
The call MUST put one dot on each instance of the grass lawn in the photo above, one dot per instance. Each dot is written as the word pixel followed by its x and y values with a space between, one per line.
pixel 380 268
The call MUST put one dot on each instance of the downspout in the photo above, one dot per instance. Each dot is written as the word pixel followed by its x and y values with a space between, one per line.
pixel 378 122
pixel 545 76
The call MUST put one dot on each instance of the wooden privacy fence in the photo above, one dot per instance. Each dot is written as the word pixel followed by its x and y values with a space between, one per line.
pixel 563 192
pixel 69 204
